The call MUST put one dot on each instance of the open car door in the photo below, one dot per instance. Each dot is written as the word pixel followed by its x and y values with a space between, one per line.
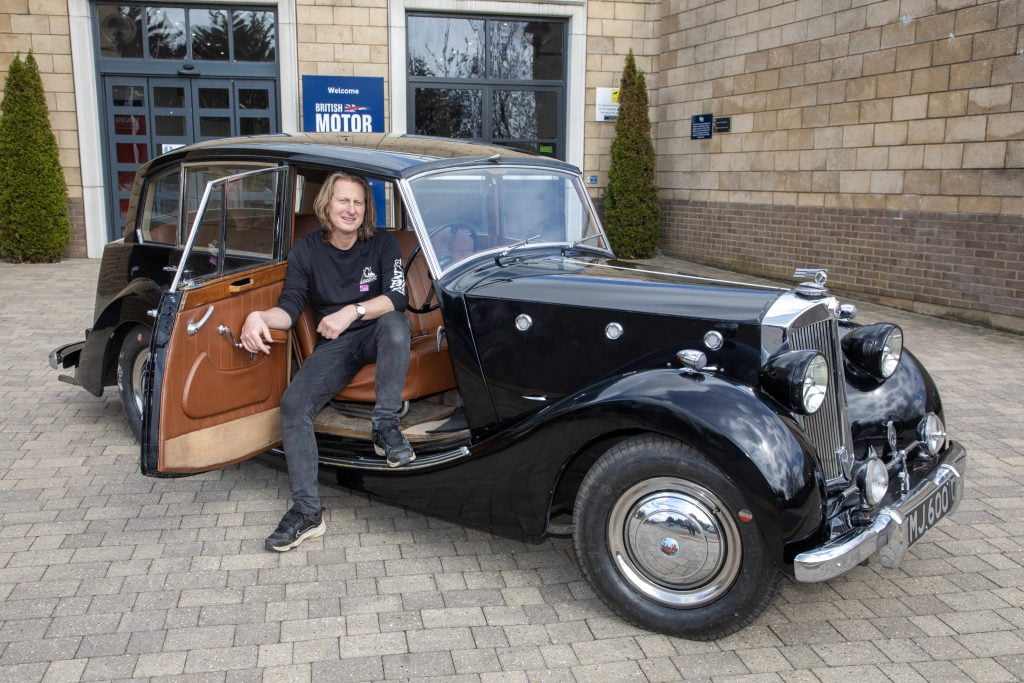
pixel 207 401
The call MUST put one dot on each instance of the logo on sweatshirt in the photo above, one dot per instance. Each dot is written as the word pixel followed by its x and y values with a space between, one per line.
pixel 368 277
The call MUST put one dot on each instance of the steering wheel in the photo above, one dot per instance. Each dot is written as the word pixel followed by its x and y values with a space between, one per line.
pixel 445 257
pixel 447 254
pixel 429 304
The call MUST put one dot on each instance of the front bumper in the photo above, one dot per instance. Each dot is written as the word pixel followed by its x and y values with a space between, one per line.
pixel 888 533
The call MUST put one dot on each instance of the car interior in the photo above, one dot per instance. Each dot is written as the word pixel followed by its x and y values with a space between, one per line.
pixel 430 388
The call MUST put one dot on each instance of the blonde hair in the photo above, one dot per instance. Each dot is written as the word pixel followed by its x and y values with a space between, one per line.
pixel 323 198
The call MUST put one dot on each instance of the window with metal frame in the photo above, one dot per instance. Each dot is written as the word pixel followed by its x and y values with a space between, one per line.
pixel 497 79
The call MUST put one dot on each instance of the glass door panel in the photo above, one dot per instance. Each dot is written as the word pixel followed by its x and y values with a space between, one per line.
pixel 213 108
pixel 129 141
pixel 171 102
pixel 256 110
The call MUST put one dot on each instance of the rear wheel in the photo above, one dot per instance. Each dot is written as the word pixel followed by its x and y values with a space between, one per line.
pixel 131 362
pixel 658 533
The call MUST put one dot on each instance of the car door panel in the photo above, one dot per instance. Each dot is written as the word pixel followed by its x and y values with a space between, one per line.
pixel 207 401
pixel 218 404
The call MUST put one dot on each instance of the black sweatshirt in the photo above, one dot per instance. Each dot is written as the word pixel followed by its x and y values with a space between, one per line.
pixel 334 278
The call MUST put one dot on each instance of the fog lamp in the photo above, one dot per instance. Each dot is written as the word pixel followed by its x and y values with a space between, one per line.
pixel 873 480
pixel 931 433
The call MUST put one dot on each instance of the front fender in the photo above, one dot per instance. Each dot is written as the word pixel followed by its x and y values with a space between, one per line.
pixel 97 366
pixel 761 451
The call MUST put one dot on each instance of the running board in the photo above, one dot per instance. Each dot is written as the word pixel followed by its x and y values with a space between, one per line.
pixel 373 463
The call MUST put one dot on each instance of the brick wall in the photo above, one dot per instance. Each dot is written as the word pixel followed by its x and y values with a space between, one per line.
pixel 892 104
pixel 42 27
pixel 882 139
pixel 959 265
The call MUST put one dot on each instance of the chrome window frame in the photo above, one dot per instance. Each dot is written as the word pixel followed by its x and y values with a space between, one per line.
pixel 419 225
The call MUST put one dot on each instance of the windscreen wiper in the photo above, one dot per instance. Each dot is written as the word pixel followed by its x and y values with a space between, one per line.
pixel 573 245
pixel 512 247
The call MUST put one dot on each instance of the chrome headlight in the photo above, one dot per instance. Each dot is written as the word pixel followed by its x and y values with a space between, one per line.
pixel 797 380
pixel 932 434
pixel 873 480
pixel 875 349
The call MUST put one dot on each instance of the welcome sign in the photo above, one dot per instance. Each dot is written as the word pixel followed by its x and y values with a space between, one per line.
pixel 342 104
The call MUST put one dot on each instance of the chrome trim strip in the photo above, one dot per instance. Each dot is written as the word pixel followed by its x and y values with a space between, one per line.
pixel 682 276
pixel 887 534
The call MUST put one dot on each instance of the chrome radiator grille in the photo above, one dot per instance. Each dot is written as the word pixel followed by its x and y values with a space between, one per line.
pixel 829 428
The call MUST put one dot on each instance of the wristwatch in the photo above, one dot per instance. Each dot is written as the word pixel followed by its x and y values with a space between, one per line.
pixel 360 311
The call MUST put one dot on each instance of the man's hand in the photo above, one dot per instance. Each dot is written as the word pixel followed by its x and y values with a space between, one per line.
pixel 331 326
pixel 255 335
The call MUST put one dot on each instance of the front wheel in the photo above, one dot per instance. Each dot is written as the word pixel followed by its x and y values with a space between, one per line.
pixel 659 535
pixel 131 362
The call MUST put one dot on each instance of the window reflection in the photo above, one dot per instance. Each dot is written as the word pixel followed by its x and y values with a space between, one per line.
pixel 128 96
pixel 120 31
pixel 446 47
pixel 449 112
pixel 255 36
pixel 526 50
pixel 209 33
pixel 166 27
pixel 525 114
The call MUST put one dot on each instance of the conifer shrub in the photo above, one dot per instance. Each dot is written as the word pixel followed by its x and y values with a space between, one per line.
pixel 34 222
pixel 631 209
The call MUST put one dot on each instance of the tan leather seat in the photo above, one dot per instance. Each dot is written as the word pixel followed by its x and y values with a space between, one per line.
pixel 430 370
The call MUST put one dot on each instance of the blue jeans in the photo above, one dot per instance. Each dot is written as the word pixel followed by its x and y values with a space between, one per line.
pixel 330 368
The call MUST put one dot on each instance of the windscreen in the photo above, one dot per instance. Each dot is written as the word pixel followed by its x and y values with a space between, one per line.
pixel 469 211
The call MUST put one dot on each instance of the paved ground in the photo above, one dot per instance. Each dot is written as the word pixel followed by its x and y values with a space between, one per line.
pixel 107 575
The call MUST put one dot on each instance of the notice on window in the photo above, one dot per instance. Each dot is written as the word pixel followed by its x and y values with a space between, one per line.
pixel 607 104
pixel 342 104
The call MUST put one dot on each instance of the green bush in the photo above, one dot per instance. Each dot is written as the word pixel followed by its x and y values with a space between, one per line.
pixel 33 195
pixel 631 209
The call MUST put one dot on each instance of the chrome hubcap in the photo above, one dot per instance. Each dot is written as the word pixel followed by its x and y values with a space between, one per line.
pixel 138 367
pixel 674 541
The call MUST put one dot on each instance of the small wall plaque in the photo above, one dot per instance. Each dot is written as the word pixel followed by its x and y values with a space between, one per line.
pixel 723 124
pixel 700 126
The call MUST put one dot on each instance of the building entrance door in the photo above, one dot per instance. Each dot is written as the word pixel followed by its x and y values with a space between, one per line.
pixel 172 73
pixel 149 116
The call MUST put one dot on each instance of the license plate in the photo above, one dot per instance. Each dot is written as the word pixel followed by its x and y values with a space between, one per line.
pixel 930 510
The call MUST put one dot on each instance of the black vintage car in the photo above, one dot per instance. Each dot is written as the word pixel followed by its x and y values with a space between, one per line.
pixel 697 438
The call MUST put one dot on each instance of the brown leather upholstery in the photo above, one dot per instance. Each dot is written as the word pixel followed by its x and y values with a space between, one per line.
pixel 304 224
pixel 430 370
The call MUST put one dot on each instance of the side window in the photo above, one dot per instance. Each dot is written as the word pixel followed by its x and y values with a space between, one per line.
pixel 196 178
pixel 237 229
pixel 159 220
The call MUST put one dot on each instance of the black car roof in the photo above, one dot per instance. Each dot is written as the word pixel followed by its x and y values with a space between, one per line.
pixel 383 155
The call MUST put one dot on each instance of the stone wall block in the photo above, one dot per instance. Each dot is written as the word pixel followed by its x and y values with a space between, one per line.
pixel 966 129
pixel 970 75
pixel 995 43
pixel 985 155
pixel 974 19
pixel 947 104
pixel 952 50
pixel 889 134
pixel 989 100
pixel 1006 127
pixel 910 107
pixel 935 79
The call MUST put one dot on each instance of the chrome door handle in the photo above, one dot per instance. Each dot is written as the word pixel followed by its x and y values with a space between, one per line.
pixel 195 327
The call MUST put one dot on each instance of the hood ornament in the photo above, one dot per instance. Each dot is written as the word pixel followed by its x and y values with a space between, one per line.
pixel 812 289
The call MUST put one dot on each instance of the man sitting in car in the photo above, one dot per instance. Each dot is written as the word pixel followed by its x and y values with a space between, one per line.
pixel 352 273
